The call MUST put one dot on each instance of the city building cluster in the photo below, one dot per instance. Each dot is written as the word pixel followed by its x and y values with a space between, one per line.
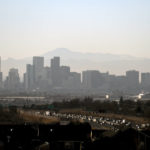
pixel 39 78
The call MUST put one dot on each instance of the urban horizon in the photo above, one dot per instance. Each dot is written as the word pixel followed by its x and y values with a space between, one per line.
pixel 123 74
pixel 57 77
pixel 75 75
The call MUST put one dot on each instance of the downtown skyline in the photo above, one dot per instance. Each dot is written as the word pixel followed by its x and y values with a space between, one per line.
pixel 60 79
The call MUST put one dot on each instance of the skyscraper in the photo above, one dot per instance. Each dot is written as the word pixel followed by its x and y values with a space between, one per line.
pixel 55 62
pixel 38 61
pixel 91 79
pixel 1 76
pixel 13 80
pixel 65 72
pixel 145 81
pixel 56 72
pixel 29 78
pixel 38 65
pixel 132 77
pixel 76 80
pixel 0 63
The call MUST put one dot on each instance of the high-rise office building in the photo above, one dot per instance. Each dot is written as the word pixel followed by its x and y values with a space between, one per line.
pixel 145 81
pixel 47 76
pixel 0 63
pixel 38 65
pixel 55 62
pixel 13 79
pixel 73 81
pixel 119 83
pixel 76 80
pixel 65 72
pixel 1 76
pixel 29 77
pixel 56 72
pixel 132 77
pixel 145 78
pixel 91 79
pixel 38 61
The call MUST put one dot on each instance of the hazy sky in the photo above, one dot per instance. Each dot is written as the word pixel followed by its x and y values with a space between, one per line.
pixel 33 27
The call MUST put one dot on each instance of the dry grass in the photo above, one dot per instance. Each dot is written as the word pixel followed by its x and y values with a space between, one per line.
pixel 39 119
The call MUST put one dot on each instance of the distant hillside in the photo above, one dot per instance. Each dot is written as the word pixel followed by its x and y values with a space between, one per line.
pixel 115 64
pixel 67 54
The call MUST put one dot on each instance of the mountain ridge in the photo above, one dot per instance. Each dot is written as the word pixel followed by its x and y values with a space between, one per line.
pixel 116 64
pixel 107 56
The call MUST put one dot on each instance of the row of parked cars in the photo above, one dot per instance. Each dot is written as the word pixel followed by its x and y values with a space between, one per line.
pixel 100 121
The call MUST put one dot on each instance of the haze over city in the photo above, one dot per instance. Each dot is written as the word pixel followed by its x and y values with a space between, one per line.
pixel 75 74
pixel 30 27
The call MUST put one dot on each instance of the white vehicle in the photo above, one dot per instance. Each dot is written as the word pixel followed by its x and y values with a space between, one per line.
pixel 123 121
pixel 89 119
pixel 47 113
pixel 94 120
pixel 143 126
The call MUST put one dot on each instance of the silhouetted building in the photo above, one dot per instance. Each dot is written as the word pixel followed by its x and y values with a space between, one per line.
pixel 46 80
pixel 1 76
pixel 56 72
pixel 74 81
pixel 13 80
pixel 76 78
pixel 132 80
pixel 55 62
pixel 1 80
pixel 91 79
pixel 29 77
pixel 38 65
pixel 120 83
pixel 145 81
pixel 59 78
pixel 65 72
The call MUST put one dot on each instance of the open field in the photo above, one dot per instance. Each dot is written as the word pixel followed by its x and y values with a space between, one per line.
pixel 21 117
pixel 39 119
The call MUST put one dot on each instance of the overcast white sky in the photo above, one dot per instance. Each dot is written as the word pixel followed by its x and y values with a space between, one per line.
pixel 33 27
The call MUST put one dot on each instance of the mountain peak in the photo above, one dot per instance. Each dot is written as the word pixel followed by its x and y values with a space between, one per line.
pixel 68 54
pixel 61 50
pixel 58 52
